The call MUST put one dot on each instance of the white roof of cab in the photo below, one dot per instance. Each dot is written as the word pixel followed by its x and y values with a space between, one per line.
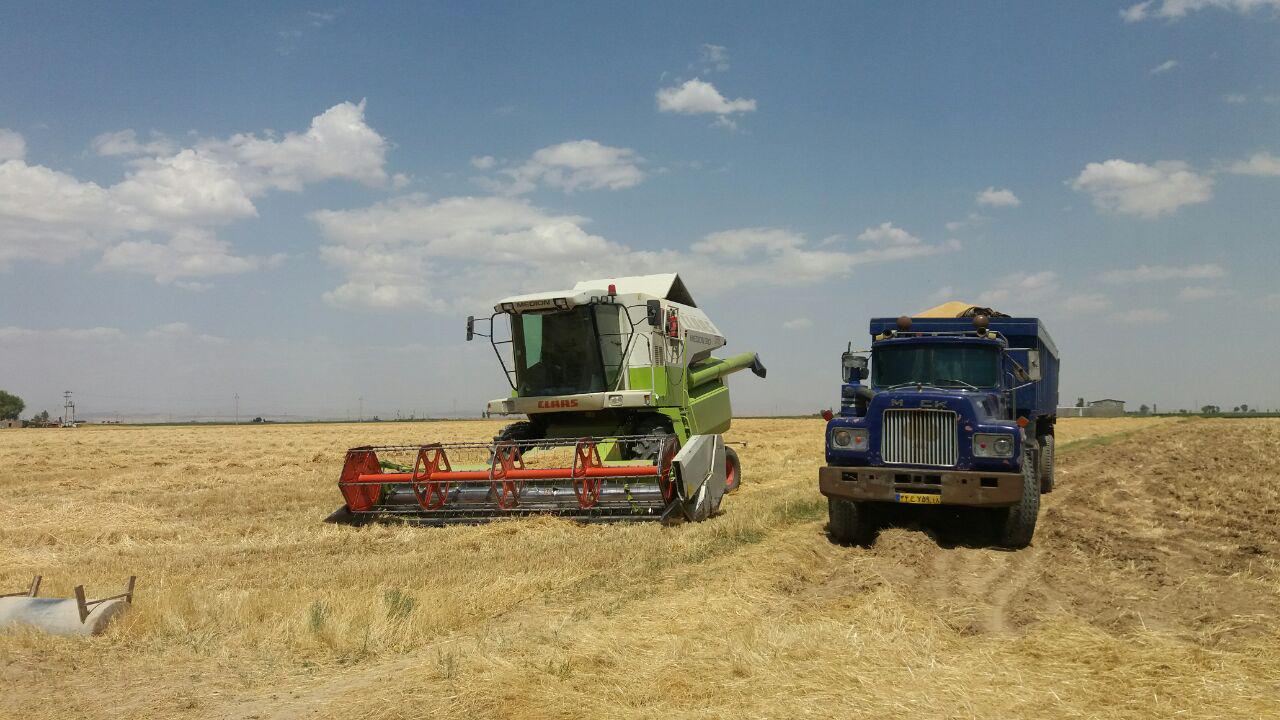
pixel 667 286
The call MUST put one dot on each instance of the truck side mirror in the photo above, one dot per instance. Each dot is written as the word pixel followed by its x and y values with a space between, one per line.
pixel 655 313
pixel 471 327
pixel 853 366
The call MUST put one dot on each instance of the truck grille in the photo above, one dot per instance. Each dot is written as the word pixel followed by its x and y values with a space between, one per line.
pixel 919 437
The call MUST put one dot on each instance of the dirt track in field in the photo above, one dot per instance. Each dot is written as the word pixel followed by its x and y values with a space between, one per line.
pixel 1151 589
pixel 1162 530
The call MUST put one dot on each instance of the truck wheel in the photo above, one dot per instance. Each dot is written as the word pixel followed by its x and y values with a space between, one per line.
pixel 1018 523
pixel 1046 464
pixel 850 523
pixel 732 471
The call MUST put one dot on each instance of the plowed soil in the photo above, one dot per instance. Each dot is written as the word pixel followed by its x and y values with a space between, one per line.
pixel 1151 589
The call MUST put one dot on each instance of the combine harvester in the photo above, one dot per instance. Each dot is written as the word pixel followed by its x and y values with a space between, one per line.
pixel 625 408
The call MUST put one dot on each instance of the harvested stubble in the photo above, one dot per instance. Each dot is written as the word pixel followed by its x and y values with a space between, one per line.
pixel 1151 589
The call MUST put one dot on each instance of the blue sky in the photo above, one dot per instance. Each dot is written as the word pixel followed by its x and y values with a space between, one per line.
pixel 300 203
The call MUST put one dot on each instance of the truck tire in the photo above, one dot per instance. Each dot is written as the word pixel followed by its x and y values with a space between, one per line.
pixel 850 523
pixel 1046 464
pixel 732 471
pixel 1016 524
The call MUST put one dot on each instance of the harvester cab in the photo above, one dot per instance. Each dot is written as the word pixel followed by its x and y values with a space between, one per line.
pixel 624 411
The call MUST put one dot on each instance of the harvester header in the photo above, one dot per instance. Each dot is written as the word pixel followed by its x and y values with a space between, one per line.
pixel 625 409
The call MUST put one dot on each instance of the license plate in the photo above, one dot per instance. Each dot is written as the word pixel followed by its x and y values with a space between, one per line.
pixel 919 499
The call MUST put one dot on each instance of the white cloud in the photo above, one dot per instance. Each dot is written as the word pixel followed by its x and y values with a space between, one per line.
pixel 943 294
pixel 1086 304
pixel 159 219
pixel 1134 13
pixel 1155 273
pixel 189 253
pixel 741 244
pixel 1175 9
pixel 414 252
pixel 50 216
pixel 575 165
pixel 125 142
pixel 715 58
pixel 1164 67
pixel 12 334
pixel 998 197
pixel 800 323
pixel 483 162
pixel 12 145
pixel 886 234
pixel 189 186
pixel 973 220
pixel 181 331
pixel 1139 316
pixel 440 255
pixel 1199 292
pixel 1024 287
pixel 1260 164
pixel 774 256
pixel 697 97
pixel 1235 99
pixel 1148 191
pixel 338 145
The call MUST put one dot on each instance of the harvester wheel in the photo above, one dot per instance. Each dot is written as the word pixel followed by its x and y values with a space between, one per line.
pixel 649 449
pixel 1018 523
pixel 850 523
pixel 732 471
pixel 1046 464
pixel 522 430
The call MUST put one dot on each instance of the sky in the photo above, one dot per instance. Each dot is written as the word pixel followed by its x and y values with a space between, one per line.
pixel 290 209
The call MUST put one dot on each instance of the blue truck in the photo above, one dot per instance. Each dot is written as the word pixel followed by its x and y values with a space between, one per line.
pixel 957 407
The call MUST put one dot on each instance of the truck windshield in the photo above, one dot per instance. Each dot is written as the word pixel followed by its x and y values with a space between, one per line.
pixel 568 352
pixel 938 365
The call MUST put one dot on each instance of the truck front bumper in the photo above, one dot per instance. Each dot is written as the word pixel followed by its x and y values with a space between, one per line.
pixel 954 487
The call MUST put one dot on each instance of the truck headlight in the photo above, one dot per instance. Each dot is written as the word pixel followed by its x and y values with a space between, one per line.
pixel 849 438
pixel 989 445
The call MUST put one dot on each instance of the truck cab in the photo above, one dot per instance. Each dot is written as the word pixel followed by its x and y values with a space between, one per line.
pixel 944 410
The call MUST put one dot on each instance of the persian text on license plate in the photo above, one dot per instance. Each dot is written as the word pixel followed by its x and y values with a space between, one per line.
pixel 919 499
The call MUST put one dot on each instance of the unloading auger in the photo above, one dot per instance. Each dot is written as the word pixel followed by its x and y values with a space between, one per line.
pixel 625 411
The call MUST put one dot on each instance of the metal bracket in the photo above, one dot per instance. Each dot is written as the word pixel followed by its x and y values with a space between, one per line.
pixel 82 605
pixel 31 591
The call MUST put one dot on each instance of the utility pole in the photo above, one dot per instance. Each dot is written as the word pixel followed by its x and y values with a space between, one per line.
pixel 68 410
pixel 360 417
pixel 237 408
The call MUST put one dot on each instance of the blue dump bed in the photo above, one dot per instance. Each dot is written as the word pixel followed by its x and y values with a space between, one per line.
pixel 1029 345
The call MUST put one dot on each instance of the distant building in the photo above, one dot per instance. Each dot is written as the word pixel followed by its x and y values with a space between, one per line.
pixel 10 424
pixel 1106 408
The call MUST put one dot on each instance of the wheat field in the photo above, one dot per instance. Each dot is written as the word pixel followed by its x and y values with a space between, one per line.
pixel 1151 589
